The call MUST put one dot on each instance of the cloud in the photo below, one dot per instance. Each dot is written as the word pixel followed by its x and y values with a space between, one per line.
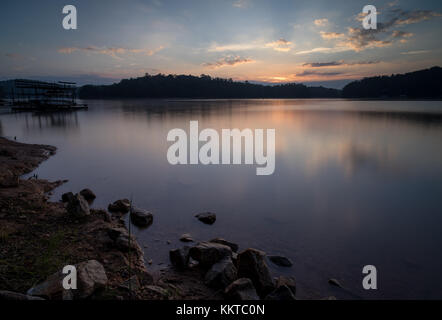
pixel 331 35
pixel 241 4
pixel 416 52
pixel 114 52
pixel 409 17
pixel 321 22
pixel 401 34
pixel 228 61
pixel 307 73
pixel 337 63
pixel 359 39
pixel 233 47
pixel 323 50
pixel 280 45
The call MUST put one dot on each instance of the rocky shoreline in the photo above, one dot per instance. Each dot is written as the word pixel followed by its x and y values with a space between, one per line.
pixel 38 238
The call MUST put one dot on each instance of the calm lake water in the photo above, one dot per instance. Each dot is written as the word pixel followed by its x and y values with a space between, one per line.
pixel 356 183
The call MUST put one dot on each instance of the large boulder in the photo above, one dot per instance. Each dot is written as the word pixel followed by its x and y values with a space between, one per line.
pixel 252 265
pixel 88 194
pixel 221 274
pixel 91 276
pixel 15 296
pixel 78 206
pixel 241 289
pixel 140 217
pixel 122 206
pixel 206 217
pixel 67 197
pixel 179 257
pixel 232 245
pixel 286 281
pixel 285 289
pixel 209 253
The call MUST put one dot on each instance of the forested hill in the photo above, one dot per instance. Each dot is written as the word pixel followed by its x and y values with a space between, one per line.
pixel 186 86
pixel 426 84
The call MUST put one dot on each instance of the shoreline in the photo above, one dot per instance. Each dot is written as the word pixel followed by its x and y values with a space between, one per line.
pixel 39 238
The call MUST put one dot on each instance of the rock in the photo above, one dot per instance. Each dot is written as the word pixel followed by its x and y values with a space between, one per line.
pixel 206 217
pixel 78 206
pixel 241 289
pixel 287 281
pixel 115 232
pixel 91 276
pixel 335 283
pixel 281 293
pixel 131 284
pixel 8 179
pixel 281 261
pixel 232 245
pixel 140 217
pixel 88 194
pixel 52 288
pixel 221 274
pixel 186 237
pixel 179 257
pixel 15 296
pixel 252 265
pixel 67 197
pixel 120 206
pixel 157 291
pixel 208 253
pixel 126 243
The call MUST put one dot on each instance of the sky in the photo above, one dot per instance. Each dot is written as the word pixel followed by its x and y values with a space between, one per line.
pixel 314 42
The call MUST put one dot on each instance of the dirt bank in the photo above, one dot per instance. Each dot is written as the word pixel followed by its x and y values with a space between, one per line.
pixel 39 237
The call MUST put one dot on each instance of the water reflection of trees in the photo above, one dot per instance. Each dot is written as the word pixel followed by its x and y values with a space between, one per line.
pixel 59 121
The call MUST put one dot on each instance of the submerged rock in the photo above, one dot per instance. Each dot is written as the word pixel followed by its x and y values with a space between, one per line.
pixel 252 265
pixel 208 253
pixel 140 217
pixel 281 293
pixel 186 237
pixel 335 283
pixel 179 257
pixel 221 274
pixel 241 289
pixel 206 217
pixel 122 205
pixel 88 194
pixel 281 261
pixel 78 206
pixel 232 245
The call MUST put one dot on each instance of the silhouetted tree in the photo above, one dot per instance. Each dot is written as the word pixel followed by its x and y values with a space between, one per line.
pixel 419 84
pixel 204 86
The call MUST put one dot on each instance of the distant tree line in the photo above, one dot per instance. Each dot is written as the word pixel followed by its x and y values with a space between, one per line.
pixel 420 84
pixel 187 86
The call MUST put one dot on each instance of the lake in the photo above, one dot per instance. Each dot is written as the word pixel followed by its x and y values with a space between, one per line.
pixel 356 183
